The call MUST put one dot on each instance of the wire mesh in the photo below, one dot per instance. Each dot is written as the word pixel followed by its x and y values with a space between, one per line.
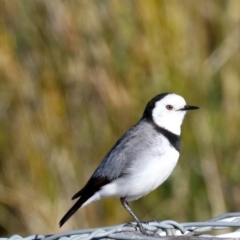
pixel 167 228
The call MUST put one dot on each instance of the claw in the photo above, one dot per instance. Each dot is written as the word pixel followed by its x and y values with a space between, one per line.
pixel 145 231
pixel 130 224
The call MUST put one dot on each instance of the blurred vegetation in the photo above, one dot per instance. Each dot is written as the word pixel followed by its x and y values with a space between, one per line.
pixel 75 75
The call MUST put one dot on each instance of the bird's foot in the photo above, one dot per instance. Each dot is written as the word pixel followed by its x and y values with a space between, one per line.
pixel 139 227
pixel 130 224
pixel 146 232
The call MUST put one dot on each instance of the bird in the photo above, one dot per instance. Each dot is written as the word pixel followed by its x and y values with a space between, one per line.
pixel 141 160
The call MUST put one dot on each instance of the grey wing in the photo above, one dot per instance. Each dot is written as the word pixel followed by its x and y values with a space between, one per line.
pixel 117 160
pixel 114 164
pixel 124 154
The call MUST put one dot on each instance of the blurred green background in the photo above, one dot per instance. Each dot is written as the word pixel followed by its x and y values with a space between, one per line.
pixel 75 75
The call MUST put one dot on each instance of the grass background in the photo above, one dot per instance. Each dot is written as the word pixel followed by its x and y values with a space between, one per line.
pixel 75 75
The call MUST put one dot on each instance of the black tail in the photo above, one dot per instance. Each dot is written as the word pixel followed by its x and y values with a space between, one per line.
pixel 92 186
pixel 72 210
pixel 77 195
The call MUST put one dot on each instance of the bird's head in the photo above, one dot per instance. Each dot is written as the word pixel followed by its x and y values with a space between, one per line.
pixel 167 110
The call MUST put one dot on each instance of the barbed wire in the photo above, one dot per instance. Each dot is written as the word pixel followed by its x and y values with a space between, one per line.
pixel 157 229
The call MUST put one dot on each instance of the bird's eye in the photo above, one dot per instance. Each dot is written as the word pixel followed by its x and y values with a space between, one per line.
pixel 169 107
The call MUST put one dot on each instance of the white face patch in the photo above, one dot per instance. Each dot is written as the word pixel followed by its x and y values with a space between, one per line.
pixel 167 113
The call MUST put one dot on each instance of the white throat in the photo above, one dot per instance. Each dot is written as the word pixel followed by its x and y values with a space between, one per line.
pixel 170 123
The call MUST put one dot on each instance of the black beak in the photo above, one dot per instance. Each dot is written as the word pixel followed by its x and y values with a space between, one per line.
pixel 188 107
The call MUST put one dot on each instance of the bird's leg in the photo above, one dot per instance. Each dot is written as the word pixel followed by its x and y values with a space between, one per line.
pixel 127 207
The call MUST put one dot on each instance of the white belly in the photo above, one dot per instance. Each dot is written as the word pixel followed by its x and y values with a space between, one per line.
pixel 145 175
